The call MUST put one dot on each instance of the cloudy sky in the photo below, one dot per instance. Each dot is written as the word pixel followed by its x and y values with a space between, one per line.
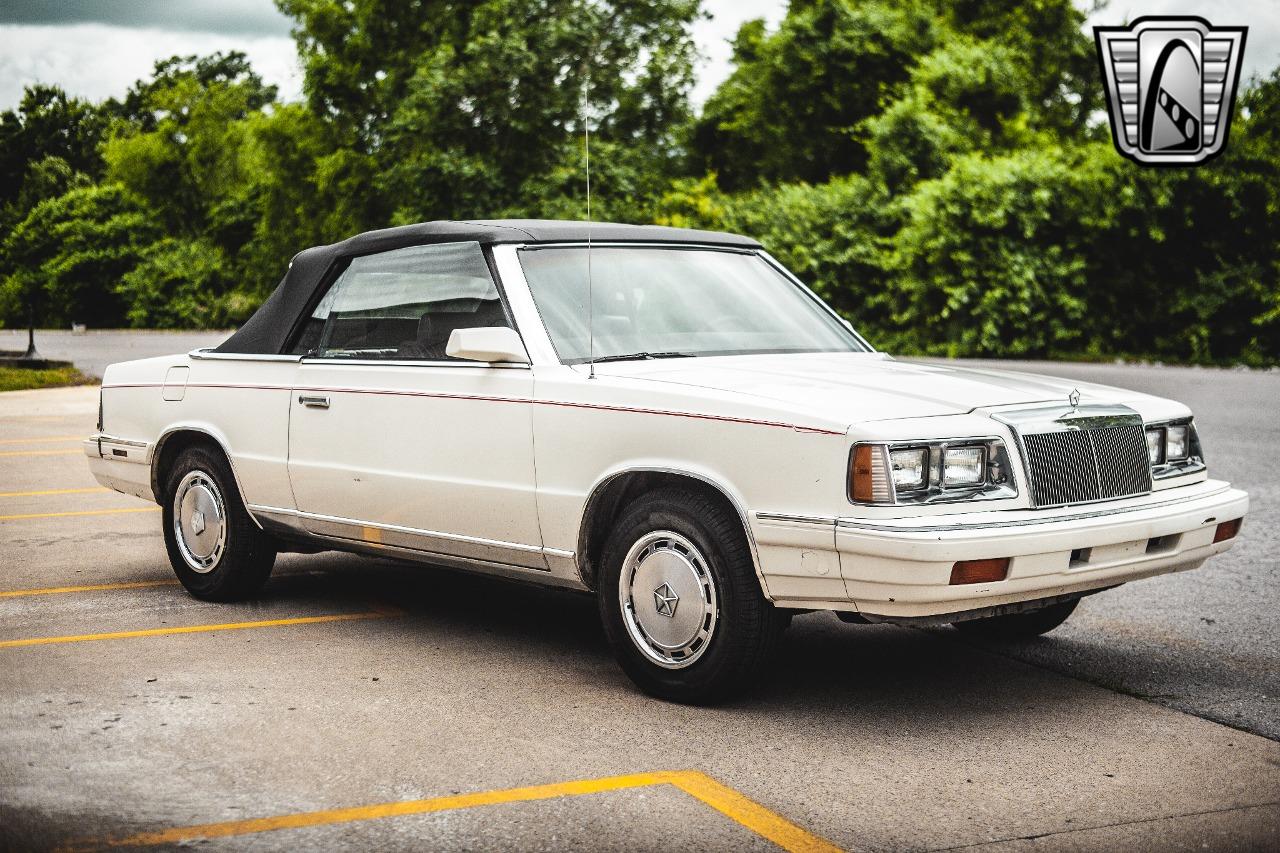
pixel 97 48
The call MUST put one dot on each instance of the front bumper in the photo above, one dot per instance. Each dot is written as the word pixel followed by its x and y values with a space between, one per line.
pixel 901 568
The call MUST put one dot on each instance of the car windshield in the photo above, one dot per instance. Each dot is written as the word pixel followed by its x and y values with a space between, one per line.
pixel 656 302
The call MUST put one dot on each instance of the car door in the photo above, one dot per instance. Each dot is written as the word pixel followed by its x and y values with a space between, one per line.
pixel 393 442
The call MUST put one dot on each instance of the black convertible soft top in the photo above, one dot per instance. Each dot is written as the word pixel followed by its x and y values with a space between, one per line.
pixel 268 330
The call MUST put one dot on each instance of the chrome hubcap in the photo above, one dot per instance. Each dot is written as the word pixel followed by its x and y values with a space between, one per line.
pixel 199 521
pixel 668 599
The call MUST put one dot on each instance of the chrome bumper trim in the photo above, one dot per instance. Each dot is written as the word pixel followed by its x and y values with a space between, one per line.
pixel 858 524
pixel 112 439
pixel 117 449
pixel 413 531
pixel 795 519
pixel 907 525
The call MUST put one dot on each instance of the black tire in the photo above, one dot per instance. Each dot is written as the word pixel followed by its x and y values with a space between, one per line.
pixel 1019 626
pixel 237 567
pixel 745 627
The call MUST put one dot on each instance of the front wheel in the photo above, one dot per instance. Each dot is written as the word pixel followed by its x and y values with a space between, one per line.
pixel 1019 626
pixel 216 550
pixel 680 600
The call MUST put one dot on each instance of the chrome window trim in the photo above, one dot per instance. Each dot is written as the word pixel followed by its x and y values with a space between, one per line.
pixel 635 244
pixel 207 353
pixel 402 362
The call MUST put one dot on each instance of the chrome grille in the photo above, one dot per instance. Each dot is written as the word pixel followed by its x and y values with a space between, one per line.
pixel 1082 465
pixel 1123 466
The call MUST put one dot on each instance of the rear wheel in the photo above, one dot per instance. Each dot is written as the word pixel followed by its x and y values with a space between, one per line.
pixel 680 600
pixel 1019 626
pixel 216 550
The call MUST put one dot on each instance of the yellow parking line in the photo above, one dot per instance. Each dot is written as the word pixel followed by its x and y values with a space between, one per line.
pixel 40 452
pixel 729 802
pixel 41 492
pixel 34 440
pixel 79 512
pixel 376 613
pixel 54 590
pixel 750 814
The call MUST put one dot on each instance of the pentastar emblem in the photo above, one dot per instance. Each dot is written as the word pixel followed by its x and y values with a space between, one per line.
pixel 666 600
pixel 1074 398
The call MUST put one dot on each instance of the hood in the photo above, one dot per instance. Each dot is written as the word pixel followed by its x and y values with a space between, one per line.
pixel 860 387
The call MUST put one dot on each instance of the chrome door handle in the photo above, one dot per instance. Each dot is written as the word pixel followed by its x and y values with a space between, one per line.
pixel 314 401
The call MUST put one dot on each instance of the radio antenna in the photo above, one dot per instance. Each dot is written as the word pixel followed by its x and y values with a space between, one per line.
pixel 591 308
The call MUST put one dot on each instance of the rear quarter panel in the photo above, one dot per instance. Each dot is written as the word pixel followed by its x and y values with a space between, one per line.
pixel 243 405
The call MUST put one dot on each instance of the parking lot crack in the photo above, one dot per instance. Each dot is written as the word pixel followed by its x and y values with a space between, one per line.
pixel 1120 823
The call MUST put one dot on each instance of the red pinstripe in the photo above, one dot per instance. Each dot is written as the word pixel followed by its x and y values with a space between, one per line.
pixel 480 398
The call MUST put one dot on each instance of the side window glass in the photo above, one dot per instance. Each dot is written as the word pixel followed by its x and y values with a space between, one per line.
pixel 403 304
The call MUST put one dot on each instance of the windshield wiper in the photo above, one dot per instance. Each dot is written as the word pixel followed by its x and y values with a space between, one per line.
pixel 641 356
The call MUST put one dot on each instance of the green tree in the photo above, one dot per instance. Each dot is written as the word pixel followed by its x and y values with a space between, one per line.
pixel 69 253
pixel 1055 57
pixel 202 144
pixel 465 108
pixel 900 87
pixel 1190 268
pixel 47 123
pixel 1255 153
pixel 965 96
pixel 792 108
pixel 992 258
pixel 181 144
pixel 177 283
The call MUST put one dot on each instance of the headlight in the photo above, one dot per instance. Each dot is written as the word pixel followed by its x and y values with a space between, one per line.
pixel 930 472
pixel 963 466
pixel 1173 449
pixel 1175 443
pixel 910 468
pixel 1155 445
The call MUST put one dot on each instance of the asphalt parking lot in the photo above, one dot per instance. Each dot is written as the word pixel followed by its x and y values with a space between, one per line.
pixel 361 704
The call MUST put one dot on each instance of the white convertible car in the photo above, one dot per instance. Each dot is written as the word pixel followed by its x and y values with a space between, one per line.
pixel 665 417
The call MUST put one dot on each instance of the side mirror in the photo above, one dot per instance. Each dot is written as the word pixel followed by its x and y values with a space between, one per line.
pixel 487 343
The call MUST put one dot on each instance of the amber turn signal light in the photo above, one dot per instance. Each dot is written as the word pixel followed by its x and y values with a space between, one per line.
pixel 860 486
pixel 1227 530
pixel 980 571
